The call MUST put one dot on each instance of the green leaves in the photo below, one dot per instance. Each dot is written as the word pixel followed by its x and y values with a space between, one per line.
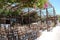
pixel 26 3
pixel 41 3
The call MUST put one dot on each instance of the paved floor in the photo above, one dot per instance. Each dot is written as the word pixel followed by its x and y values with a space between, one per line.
pixel 54 34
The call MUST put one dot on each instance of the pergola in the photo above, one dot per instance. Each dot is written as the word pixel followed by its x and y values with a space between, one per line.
pixel 31 29
pixel 46 13
pixel 48 16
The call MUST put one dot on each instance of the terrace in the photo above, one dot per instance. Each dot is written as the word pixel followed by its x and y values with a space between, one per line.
pixel 15 24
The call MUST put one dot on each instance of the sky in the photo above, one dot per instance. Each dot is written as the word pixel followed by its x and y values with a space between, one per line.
pixel 56 4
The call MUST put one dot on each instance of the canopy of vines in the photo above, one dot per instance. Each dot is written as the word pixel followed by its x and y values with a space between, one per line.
pixel 26 3
pixel 22 4
pixel 8 9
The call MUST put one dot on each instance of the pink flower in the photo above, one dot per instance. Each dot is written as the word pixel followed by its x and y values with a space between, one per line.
pixel 45 5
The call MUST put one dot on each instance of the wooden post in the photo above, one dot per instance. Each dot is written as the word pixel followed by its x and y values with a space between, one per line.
pixel 0 30
pixel 29 17
pixel 22 16
pixel 40 16
pixel 54 15
pixel 47 19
